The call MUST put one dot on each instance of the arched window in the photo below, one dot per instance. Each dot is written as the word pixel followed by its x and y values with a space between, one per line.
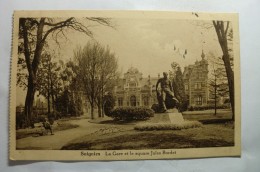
pixel 146 101
pixel 186 87
pixel 120 101
pixel 132 101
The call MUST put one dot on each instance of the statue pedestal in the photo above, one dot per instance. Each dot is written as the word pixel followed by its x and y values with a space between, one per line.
pixel 170 120
pixel 175 117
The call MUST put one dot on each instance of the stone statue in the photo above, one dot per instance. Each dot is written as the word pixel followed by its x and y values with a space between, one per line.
pixel 165 96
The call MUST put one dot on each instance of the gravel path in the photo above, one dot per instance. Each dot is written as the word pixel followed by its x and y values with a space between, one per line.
pixel 60 138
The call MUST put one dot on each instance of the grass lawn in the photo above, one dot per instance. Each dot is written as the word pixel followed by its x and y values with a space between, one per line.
pixel 125 137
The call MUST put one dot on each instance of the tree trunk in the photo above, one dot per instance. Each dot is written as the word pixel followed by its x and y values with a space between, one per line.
pixel 99 111
pixel 102 100
pixel 103 112
pixel 230 77
pixel 215 98
pixel 32 66
pixel 99 106
pixel 29 101
pixel 53 105
pixel 48 94
pixel 48 100
pixel 92 110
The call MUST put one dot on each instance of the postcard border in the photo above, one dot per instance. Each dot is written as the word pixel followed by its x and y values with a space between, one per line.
pixel 77 154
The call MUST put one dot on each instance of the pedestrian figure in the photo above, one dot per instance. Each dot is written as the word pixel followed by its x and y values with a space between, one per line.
pixel 47 126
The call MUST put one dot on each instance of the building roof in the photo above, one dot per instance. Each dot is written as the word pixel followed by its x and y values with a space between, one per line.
pixel 188 70
pixel 142 82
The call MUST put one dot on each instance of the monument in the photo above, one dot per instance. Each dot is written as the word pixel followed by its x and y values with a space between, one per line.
pixel 165 95
pixel 167 115
pixel 168 104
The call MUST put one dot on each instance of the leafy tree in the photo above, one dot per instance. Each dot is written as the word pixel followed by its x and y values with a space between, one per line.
pixel 48 80
pixel 178 86
pixel 71 101
pixel 109 103
pixel 62 103
pixel 33 35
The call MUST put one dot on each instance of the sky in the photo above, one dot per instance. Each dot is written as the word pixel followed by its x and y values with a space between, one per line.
pixel 146 44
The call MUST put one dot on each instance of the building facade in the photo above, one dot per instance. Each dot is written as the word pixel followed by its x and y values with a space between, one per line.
pixel 135 90
pixel 195 79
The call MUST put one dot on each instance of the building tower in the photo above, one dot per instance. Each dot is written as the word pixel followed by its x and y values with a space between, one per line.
pixel 195 81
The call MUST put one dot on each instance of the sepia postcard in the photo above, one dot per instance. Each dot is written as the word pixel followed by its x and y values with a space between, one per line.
pixel 124 85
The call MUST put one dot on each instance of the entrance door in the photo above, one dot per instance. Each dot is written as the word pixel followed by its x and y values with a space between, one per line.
pixel 132 101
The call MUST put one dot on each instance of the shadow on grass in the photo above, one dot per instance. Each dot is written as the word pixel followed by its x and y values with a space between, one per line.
pixel 147 141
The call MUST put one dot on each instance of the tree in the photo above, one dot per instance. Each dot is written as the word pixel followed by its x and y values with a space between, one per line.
pixel 224 33
pixel 218 85
pixel 106 75
pixel 109 103
pixel 48 80
pixel 97 68
pixel 225 37
pixel 178 86
pixel 69 101
pixel 33 34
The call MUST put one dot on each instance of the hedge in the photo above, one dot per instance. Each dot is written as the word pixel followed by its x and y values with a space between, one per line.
pixel 131 113
pixel 206 107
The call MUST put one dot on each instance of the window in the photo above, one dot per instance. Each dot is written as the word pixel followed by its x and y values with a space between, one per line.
pixel 198 86
pixel 120 101
pixel 199 100
pixel 146 101
pixel 199 75
pixel 186 87
pixel 132 101
pixel 132 84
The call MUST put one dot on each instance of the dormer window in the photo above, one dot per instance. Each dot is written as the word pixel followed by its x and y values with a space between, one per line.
pixel 132 84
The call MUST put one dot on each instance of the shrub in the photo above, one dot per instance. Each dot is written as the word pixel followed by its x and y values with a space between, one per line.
pixel 131 113
pixel 183 105
pixel 191 108
pixel 155 108
pixel 109 104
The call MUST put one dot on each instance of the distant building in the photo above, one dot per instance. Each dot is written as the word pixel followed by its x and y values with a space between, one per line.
pixel 135 90
pixel 196 82
pixel 40 107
